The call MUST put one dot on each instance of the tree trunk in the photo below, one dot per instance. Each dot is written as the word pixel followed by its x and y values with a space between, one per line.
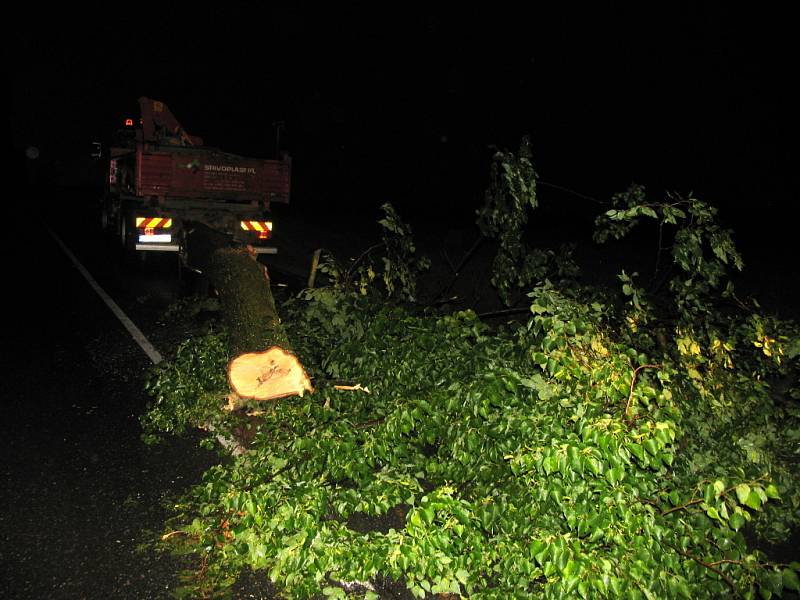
pixel 242 286
pixel 248 308
pixel 262 367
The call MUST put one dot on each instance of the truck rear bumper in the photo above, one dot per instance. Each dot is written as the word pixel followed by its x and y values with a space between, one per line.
pixel 151 247
pixel 158 247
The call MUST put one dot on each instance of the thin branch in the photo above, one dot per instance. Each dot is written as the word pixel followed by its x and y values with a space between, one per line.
pixel 682 506
pixel 457 269
pixel 501 313
pixel 569 191
pixel 361 256
pixel 352 388
pixel 449 262
pixel 368 424
pixel 633 384
pixel 660 249
pixel 710 567
pixel 166 536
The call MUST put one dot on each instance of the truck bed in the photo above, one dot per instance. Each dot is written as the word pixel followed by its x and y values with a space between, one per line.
pixel 201 172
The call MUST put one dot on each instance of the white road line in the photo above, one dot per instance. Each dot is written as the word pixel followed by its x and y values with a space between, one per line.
pixel 135 332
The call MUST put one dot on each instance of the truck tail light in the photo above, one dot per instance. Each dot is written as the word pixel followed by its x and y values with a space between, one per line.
pixel 153 223
pixel 152 230
pixel 262 228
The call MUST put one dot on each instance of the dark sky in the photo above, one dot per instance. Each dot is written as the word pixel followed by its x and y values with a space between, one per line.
pixel 403 103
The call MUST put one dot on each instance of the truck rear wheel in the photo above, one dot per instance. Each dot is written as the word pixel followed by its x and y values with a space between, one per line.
pixel 127 244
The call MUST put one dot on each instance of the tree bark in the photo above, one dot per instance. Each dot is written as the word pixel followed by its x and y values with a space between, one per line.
pixel 242 286
pixel 248 308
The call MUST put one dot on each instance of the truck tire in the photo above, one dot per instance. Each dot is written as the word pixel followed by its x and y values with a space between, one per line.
pixel 127 245
pixel 108 227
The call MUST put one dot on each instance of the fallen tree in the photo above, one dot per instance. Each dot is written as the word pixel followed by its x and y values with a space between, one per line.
pixel 253 357
pixel 574 455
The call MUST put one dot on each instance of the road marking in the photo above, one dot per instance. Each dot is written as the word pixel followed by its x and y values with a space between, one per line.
pixel 135 332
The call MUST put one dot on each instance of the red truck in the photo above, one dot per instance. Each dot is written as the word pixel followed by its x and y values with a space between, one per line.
pixel 162 180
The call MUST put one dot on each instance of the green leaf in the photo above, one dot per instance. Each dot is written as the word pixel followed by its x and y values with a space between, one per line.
pixel 652 446
pixel 647 211
pixel 334 592
pixel 736 521
pixel 772 492
pixel 770 582
pixel 790 580
pixel 637 451
pixel 541 556
pixel 708 493
pixel 753 500
pixel 743 492
pixel 415 518
pixel 615 475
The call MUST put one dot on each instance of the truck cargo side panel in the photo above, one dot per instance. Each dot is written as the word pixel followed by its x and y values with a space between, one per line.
pixel 154 174
pixel 198 174
pixel 275 176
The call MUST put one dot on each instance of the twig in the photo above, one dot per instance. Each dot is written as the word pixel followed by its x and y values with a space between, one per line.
pixel 500 313
pixel 367 424
pixel 658 254
pixel 710 567
pixel 166 536
pixel 682 506
pixel 352 388
pixel 633 384
pixel 449 262
pixel 457 270
pixel 724 492
pixel 569 191
pixel 361 256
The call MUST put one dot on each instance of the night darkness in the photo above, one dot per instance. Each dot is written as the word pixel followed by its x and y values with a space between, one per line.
pixel 404 104
pixel 378 103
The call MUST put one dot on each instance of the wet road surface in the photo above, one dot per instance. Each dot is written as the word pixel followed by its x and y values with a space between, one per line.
pixel 79 488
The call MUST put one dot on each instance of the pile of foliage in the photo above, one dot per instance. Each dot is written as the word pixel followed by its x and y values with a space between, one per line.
pixel 608 445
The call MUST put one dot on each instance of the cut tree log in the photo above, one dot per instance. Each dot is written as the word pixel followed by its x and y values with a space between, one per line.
pixel 268 375
pixel 242 286
pixel 248 307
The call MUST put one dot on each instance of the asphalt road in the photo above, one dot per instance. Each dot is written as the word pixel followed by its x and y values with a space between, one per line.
pixel 80 491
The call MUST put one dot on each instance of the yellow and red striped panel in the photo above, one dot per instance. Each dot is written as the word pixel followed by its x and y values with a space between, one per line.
pixel 262 228
pixel 153 223
pixel 259 226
